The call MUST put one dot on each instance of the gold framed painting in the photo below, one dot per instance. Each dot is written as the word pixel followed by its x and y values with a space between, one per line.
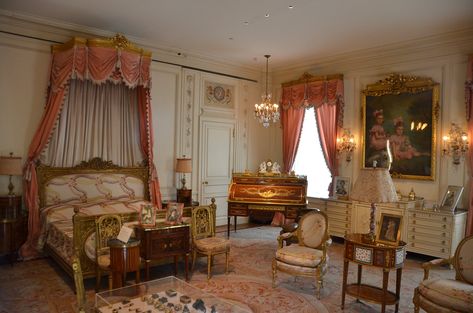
pixel 401 112
pixel 389 230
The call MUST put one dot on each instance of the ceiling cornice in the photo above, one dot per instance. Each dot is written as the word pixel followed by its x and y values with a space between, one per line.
pixel 60 32
pixel 460 41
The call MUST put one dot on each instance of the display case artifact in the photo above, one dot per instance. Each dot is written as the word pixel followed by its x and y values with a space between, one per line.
pixel 168 294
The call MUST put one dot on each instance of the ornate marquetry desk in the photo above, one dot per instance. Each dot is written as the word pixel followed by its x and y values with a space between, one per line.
pixel 252 193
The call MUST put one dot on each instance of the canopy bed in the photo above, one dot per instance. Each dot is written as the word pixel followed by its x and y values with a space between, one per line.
pixel 98 108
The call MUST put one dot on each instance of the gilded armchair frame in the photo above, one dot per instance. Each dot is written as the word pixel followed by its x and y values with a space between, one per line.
pixel 325 241
pixel 454 262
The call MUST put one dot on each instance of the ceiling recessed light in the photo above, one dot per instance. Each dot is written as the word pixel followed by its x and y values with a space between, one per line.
pixel 291 7
pixel 266 15
pixel 230 38
pixel 246 23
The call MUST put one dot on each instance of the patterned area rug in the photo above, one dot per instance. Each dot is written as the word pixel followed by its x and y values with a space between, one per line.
pixel 41 286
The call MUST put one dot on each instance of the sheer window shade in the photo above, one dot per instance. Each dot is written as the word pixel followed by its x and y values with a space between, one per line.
pixel 96 120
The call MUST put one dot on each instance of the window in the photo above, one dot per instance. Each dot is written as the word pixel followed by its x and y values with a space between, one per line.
pixel 310 159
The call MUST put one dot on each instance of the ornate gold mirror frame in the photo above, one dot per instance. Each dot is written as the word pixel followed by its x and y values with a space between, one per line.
pixel 404 110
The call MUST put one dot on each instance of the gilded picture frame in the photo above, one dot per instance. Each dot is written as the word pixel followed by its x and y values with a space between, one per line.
pixel 451 198
pixel 389 230
pixel 341 188
pixel 147 215
pixel 403 110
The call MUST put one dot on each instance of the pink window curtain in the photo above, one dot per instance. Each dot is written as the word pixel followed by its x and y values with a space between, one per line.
pixel 326 116
pixel 469 117
pixel 326 96
pixel 98 61
pixel 291 120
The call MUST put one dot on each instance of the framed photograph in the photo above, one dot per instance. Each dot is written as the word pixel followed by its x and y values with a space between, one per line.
pixel 174 213
pixel 402 112
pixel 451 198
pixel 389 230
pixel 341 188
pixel 148 215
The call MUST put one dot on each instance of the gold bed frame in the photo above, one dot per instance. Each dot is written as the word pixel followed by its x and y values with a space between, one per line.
pixel 84 225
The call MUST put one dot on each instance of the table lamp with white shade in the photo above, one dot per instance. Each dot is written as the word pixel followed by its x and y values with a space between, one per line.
pixel 374 185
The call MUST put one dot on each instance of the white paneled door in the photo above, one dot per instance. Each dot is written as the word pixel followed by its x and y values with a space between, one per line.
pixel 216 155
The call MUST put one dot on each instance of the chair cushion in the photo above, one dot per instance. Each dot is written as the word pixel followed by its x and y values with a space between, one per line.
pixel 299 255
pixel 212 244
pixel 104 261
pixel 448 293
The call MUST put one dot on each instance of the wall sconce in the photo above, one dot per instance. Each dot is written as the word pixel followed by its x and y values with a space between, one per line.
pixel 346 144
pixel 455 144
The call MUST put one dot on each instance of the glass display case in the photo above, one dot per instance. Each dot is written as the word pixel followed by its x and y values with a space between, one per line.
pixel 168 294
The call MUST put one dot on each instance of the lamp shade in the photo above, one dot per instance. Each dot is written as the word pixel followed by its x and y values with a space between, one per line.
pixel 184 165
pixel 10 165
pixel 374 185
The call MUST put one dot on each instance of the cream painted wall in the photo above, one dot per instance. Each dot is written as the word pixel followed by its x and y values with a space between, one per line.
pixel 442 60
pixel 23 82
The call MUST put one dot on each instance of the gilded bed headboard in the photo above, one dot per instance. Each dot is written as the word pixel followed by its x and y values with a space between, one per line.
pixel 91 180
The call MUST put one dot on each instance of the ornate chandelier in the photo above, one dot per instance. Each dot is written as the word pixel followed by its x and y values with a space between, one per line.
pixel 266 111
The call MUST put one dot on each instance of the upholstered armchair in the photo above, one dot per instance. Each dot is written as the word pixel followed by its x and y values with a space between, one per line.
pixel 106 227
pixel 307 257
pixel 448 295
pixel 204 241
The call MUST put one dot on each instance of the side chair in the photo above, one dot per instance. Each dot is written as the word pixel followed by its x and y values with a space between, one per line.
pixel 106 227
pixel 204 241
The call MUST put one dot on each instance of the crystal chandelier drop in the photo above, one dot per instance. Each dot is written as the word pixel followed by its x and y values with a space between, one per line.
pixel 266 111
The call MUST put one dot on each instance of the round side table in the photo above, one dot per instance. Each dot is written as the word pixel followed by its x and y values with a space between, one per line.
pixel 124 258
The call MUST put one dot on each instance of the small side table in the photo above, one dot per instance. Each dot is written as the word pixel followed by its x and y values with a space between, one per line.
pixel 386 257
pixel 184 196
pixel 12 226
pixel 163 241
pixel 124 258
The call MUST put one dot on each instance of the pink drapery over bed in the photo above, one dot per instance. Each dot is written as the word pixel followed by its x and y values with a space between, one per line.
pixel 325 94
pixel 98 60
pixel 469 117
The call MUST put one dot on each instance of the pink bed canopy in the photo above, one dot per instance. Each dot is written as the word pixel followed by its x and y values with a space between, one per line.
pixel 100 61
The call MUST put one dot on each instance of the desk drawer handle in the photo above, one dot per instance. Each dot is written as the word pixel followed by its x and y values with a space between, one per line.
pixel 444 226
pixel 413 237
pixel 413 222
pixel 444 219
pixel 414 215
pixel 443 242
pixel 443 250
pixel 444 235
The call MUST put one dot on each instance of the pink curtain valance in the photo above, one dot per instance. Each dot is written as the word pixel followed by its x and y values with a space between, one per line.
pixel 310 91
pixel 85 59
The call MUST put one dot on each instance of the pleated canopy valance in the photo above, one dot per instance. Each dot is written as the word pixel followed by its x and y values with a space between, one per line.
pixel 314 91
pixel 100 60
